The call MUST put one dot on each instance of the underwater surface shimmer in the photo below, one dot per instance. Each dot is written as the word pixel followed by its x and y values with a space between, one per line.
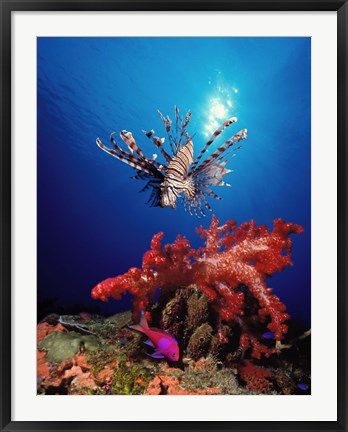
pixel 92 221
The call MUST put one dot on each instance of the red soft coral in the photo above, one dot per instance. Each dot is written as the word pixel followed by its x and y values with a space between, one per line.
pixel 255 377
pixel 231 257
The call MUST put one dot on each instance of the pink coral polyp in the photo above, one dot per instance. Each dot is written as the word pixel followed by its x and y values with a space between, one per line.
pixel 232 256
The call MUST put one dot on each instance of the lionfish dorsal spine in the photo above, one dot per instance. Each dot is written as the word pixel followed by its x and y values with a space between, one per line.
pixel 215 134
pixel 158 143
pixel 168 126
pixel 183 129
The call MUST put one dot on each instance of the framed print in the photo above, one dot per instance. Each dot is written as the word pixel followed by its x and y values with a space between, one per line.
pixel 173 215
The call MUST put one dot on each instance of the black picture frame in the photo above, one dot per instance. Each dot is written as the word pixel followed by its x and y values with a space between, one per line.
pixel 9 6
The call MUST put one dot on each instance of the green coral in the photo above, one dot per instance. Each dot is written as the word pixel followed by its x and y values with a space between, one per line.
pixel 63 346
pixel 131 379
pixel 102 357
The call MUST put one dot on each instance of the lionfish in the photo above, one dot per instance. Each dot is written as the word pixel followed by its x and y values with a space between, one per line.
pixel 182 177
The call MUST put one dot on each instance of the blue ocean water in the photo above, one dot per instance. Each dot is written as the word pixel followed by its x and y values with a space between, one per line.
pixel 92 221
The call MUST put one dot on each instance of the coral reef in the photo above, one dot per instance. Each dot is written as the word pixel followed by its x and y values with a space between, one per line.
pixel 62 346
pixel 121 368
pixel 130 378
pixel 213 300
pixel 255 377
pixel 164 384
pixel 230 270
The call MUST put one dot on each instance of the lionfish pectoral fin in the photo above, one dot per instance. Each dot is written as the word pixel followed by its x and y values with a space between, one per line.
pixel 129 159
pixel 218 132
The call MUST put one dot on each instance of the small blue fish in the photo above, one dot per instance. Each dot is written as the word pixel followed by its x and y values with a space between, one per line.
pixel 268 335
pixel 302 386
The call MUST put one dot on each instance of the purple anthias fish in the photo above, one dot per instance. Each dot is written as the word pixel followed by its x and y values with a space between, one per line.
pixel 164 344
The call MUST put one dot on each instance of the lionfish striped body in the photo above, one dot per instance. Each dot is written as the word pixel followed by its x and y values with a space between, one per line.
pixel 182 177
